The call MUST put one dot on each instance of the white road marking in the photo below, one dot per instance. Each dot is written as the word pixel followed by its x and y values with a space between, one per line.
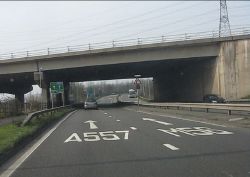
pixel 174 117
pixel 235 119
pixel 118 120
pixel 73 137
pixel 153 120
pixel 133 128
pixel 20 160
pixel 105 113
pixel 195 131
pixel 91 124
pixel 110 116
pixel 169 132
pixel 171 147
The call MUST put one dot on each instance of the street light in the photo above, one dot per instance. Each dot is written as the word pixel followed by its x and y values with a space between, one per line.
pixel 40 79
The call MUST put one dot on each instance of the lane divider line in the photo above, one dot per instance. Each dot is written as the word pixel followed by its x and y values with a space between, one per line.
pixel 235 119
pixel 118 120
pixel 133 128
pixel 20 160
pixel 110 116
pixel 171 147
pixel 174 117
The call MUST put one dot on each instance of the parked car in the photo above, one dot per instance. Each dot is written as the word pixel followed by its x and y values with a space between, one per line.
pixel 90 103
pixel 213 98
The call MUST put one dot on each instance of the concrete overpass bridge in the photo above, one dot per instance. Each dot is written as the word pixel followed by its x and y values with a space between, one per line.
pixel 183 70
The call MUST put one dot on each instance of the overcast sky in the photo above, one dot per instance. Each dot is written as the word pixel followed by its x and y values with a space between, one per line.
pixel 45 24
pixel 29 25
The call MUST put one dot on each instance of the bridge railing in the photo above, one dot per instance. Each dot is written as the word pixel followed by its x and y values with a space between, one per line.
pixel 123 43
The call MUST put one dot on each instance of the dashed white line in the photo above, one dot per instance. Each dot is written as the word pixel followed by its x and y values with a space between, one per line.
pixel 117 120
pixel 173 117
pixel 110 116
pixel 105 113
pixel 171 147
pixel 235 119
pixel 133 128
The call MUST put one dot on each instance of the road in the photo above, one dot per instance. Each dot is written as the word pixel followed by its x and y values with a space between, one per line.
pixel 121 142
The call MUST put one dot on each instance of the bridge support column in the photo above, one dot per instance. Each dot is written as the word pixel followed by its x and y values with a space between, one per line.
pixel 66 92
pixel 19 96
pixel 46 102
pixel 164 88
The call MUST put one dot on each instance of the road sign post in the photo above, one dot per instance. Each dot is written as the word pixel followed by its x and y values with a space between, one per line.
pixel 137 83
pixel 55 88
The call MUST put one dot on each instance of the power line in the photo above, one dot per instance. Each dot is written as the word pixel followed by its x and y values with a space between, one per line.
pixel 102 26
pixel 136 22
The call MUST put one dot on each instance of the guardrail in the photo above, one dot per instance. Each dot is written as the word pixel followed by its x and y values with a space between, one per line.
pixel 30 116
pixel 124 43
pixel 206 106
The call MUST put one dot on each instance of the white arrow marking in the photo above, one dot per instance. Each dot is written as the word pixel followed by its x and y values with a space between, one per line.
pixel 160 122
pixel 171 147
pixel 91 124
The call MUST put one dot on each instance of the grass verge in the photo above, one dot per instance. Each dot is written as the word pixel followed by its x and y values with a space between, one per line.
pixel 12 135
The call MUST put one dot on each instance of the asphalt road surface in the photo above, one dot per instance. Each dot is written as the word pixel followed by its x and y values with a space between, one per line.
pixel 121 142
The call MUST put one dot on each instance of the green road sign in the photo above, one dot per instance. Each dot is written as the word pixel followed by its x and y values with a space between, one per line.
pixel 56 87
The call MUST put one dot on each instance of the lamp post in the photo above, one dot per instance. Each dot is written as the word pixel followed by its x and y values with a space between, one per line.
pixel 40 83
pixel 137 85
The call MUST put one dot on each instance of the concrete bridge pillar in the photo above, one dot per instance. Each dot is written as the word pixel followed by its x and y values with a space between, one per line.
pixel 19 96
pixel 66 92
pixel 163 88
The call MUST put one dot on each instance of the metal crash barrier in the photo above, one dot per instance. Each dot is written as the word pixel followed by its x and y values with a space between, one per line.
pixel 37 114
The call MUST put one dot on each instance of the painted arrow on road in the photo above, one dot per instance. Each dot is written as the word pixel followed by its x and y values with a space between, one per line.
pixel 160 122
pixel 91 124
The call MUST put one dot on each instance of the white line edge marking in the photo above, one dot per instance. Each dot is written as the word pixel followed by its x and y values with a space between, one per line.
pixel 133 128
pixel 171 147
pixel 173 117
pixel 20 160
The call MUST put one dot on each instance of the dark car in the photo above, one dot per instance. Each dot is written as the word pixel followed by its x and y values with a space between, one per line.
pixel 213 98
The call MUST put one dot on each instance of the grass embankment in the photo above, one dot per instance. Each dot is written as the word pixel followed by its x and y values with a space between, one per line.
pixel 13 134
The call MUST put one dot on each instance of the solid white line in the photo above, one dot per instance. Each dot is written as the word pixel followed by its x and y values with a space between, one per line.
pixel 171 147
pixel 174 117
pixel 133 128
pixel 19 161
